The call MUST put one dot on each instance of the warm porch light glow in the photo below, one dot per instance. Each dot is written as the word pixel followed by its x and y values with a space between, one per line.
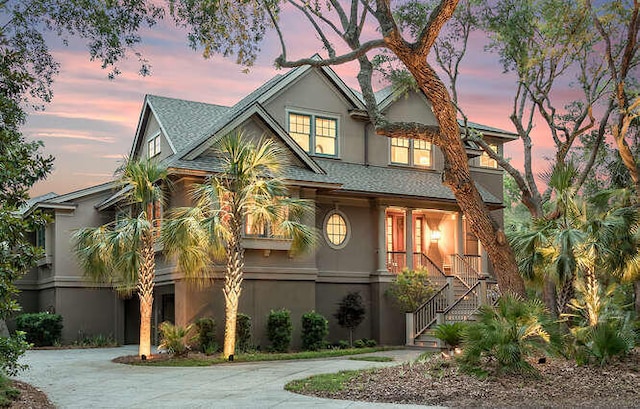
pixel 435 235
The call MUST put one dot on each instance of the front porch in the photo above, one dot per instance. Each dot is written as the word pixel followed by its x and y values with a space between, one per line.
pixel 441 243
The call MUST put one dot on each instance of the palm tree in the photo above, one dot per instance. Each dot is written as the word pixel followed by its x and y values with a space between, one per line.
pixel 246 191
pixel 122 252
pixel 584 239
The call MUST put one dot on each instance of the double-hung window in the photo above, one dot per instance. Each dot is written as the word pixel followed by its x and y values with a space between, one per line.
pixel 486 161
pixel 314 133
pixel 153 145
pixel 411 152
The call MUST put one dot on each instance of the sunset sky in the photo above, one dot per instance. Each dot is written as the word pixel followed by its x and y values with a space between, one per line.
pixel 91 122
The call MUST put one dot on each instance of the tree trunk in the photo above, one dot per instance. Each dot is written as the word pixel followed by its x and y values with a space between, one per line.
pixel 233 284
pixel 550 296
pixel 145 293
pixel 458 176
pixel 636 293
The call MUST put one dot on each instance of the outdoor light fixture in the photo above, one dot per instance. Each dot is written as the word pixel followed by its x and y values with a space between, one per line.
pixel 435 235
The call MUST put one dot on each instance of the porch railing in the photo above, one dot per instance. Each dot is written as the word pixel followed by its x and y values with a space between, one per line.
pixel 427 313
pixel 464 307
pixel 421 260
pixel 474 261
pixel 465 271
pixel 396 261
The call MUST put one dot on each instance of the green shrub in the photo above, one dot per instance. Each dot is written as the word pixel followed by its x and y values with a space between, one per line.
pixel 279 330
pixel 206 327
pixel 359 343
pixel 315 328
pixel 8 394
pixel 602 329
pixel 450 333
pixel 41 328
pixel 175 339
pixel 342 344
pixel 11 349
pixel 95 341
pixel 410 289
pixel 350 313
pixel 243 332
pixel 505 335
pixel 370 343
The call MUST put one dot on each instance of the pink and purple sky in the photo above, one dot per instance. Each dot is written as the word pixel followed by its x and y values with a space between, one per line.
pixel 90 125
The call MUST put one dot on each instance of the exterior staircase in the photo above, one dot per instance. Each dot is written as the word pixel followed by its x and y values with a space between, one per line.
pixel 458 296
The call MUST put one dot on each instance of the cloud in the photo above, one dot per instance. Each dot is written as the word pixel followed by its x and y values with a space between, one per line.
pixel 73 135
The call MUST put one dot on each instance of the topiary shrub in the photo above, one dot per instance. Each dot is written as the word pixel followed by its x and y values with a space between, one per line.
pixel 243 332
pixel 315 328
pixel 41 328
pixel 410 289
pixel 175 339
pixel 279 330
pixel 350 313
pixel 206 327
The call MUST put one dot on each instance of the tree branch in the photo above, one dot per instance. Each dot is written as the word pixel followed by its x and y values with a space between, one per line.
pixel 341 59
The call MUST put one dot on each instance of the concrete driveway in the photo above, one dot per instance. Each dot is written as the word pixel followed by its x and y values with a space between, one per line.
pixel 86 378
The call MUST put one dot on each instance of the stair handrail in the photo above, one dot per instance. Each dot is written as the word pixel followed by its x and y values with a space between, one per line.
pixel 463 270
pixel 475 300
pixel 426 314
pixel 434 272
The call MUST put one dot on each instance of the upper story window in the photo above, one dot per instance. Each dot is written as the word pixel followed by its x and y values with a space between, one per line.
pixel 485 159
pixel 315 134
pixel 253 228
pixel 153 145
pixel 411 152
pixel 41 235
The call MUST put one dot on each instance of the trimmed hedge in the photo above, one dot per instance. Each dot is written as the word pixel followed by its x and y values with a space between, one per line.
pixel 41 328
pixel 279 330
pixel 315 328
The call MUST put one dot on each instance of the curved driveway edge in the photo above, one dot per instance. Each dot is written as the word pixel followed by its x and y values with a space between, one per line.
pixel 86 378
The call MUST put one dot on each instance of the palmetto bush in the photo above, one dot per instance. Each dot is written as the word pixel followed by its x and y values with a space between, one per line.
pixel 505 335
pixel 451 334
pixel 601 328
pixel 176 339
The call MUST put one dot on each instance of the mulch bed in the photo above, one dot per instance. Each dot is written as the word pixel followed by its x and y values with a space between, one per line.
pixel 561 384
pixel 30 398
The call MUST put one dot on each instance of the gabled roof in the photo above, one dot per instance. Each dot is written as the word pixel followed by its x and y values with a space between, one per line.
pixel 181 121
pixel 55 201
pixel 261 95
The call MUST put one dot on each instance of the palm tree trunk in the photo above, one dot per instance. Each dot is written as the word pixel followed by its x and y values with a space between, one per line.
pixel 233 286
pixel 145 293
pixel 550 296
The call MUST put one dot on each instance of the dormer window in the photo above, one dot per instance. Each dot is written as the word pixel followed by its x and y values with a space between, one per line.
pixel 411 152
pixel 486 161
pixel 315 134
pixel 153 145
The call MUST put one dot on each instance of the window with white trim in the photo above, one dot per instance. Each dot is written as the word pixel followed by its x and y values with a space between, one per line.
pixel 411 152
pixel 255 228
pixel 315 134
pixel 486 161
pixel 153 145
pixel 41 237
pixel 336 229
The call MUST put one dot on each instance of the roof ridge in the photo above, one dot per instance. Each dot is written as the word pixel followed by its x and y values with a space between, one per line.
pixel 187 100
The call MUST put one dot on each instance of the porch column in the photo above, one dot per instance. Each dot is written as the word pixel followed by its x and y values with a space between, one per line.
pixel 382 238
pixel 409 237
pixel 484 259
pixel 459 246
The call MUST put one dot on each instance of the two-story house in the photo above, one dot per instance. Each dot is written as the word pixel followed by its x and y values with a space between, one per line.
pixel 380 207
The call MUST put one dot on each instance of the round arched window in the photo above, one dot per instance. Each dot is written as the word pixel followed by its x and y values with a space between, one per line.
pixel 336 229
